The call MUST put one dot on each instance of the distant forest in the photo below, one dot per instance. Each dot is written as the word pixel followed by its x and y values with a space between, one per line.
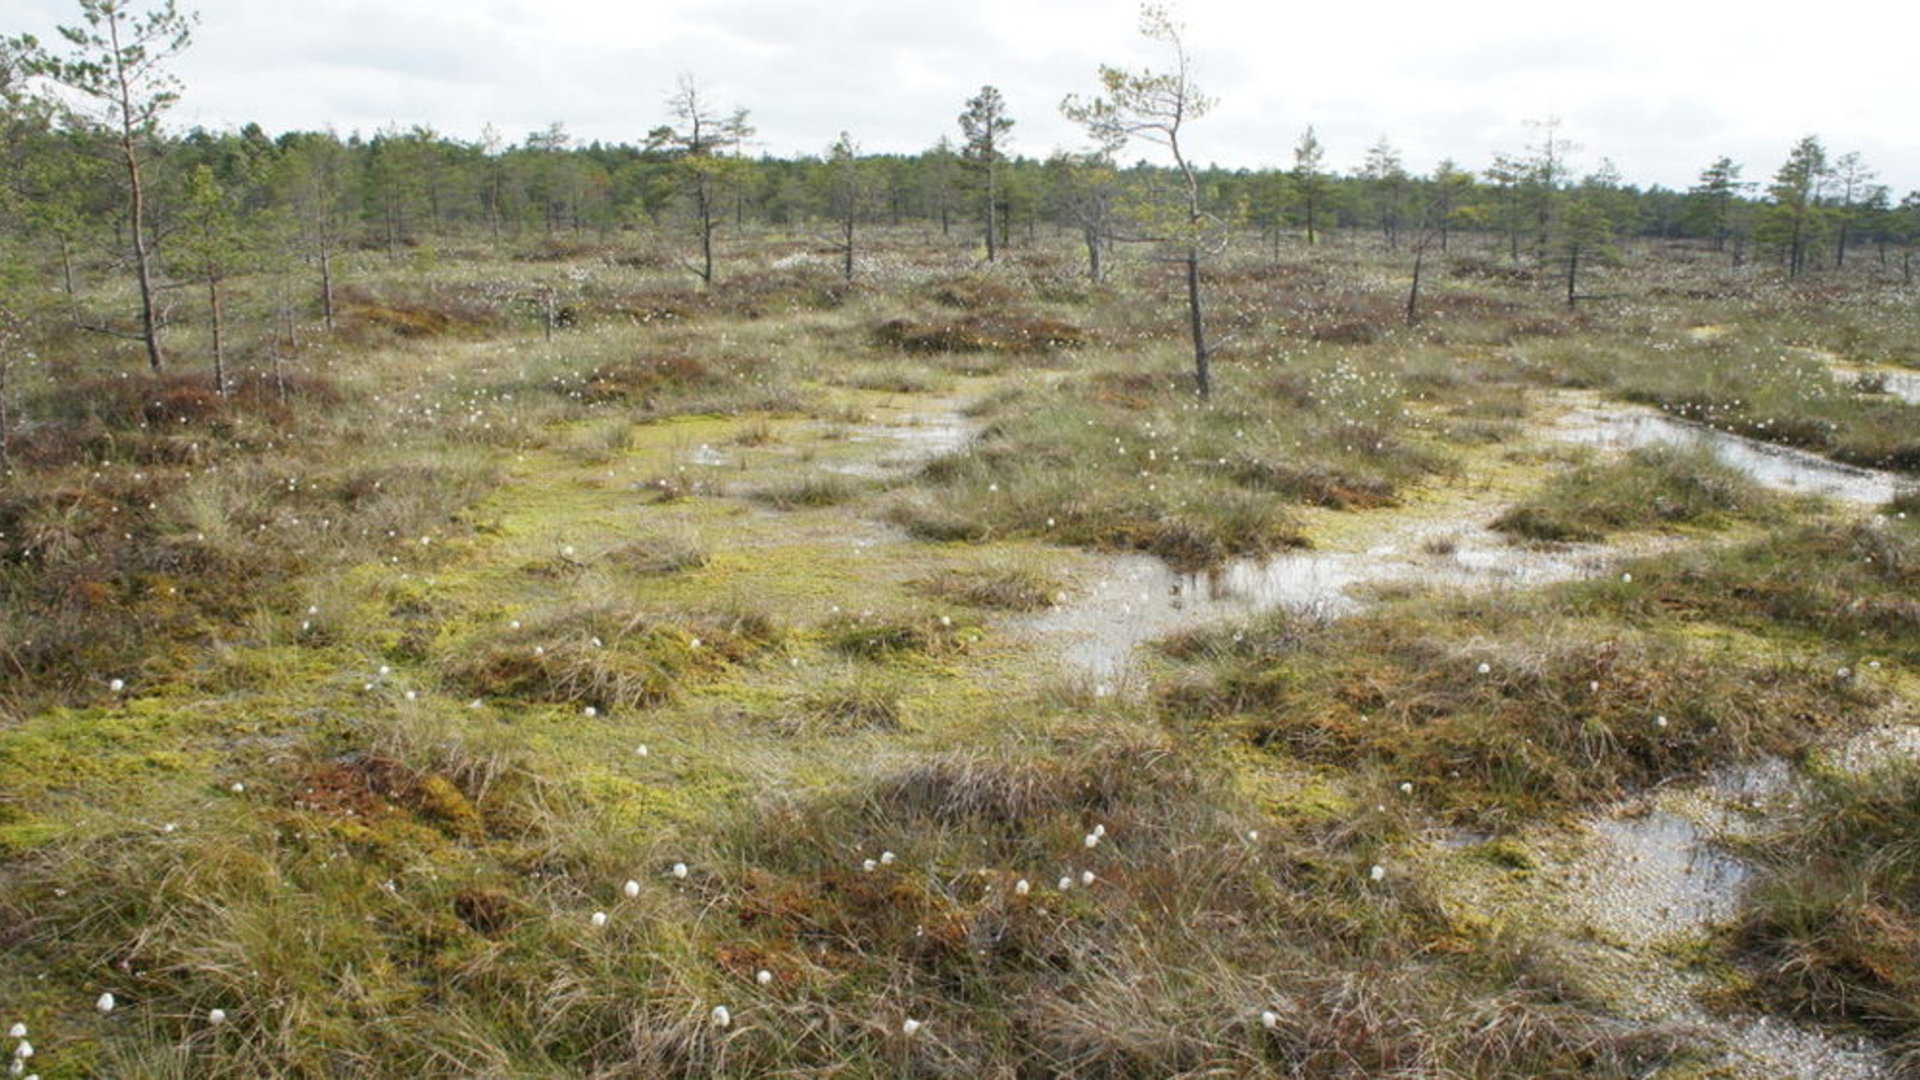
pixel 402 187
pixel 90 173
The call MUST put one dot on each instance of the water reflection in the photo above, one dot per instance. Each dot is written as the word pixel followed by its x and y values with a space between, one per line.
pixel 1139 598
pixel 1777 467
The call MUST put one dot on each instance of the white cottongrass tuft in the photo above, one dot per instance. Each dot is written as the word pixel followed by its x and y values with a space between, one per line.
pixel 1021 887
pixel 1269 1019
pixel 722 1017
pixel 869 866
pixel 1485 668
pixel 631 888
pixel 886 858
pixel 764 977
pixel 680 870
pixel 1086 877
pixel 17 1031
pixel 911 1027
pixel 599 919
pixel 104 1002
pixel 216 1017
pixel 1406 787
pixel 1378 873
pixel 117 685
pixel 1092 840
pixel 1066 883
pixel 590 711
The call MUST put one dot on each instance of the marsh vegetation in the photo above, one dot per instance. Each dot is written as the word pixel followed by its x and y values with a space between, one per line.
pixel 465 695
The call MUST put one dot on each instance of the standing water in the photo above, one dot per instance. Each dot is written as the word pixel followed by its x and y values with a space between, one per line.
pixel 1783 468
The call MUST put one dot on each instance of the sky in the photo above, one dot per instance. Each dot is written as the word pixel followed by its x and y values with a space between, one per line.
pixel 1659 87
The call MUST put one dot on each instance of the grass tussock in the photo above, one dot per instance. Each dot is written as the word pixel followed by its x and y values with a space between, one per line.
pixel 1314 484
pixel 380 900
pixel 659 555
pixel 132 570
pixel 995 588
pixel 1099 476
pixel 1853 586
pixel 607 659
pixel 1652 488
pixel 1000 333
pixel 1107 884
pixel 858 703
pixel 1499 712
pixel 1832 928
pixel 173 419
pixel 882 636
pixel 810 492
pixel 644 378
pixel 368 318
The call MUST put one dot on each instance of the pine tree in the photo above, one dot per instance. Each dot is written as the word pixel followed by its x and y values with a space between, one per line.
pixel 118 64
pixel 1793 218
pixel 985 124
pixel 1155 106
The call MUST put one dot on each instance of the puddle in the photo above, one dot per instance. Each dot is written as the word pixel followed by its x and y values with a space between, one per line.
pixel 1661 874
pixel 915 439
pixel 1896 382
pixel 1651 875
pixel 1137 598
pixel 707 456
pixel 1783 468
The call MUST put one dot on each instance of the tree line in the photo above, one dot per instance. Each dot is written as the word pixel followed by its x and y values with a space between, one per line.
pixel 91 177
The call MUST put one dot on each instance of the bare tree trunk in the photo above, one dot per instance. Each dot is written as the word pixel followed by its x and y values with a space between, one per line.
pixel 703 200
pixel 993 203
pixel 66 268
pixel 219 343
pixel 143 258
pixel 1413 294
pixel 1202 373
pixel 326 286
pixel 493 203
pixel 6 418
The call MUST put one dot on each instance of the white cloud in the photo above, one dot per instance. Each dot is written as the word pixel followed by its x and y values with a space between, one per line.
pixel 1660 87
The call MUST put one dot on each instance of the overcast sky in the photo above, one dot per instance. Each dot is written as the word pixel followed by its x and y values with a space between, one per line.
pixel 1661 87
